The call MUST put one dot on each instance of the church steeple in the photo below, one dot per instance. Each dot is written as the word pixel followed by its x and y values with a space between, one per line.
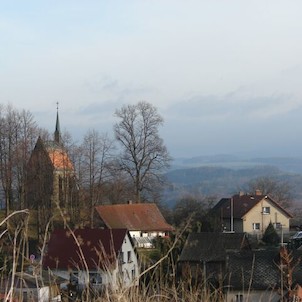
pixel 57 130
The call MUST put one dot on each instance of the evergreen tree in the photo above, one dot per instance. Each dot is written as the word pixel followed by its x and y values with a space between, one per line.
pixel 270 235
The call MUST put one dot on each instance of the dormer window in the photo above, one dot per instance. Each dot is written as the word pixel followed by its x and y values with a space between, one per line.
pixel 266 210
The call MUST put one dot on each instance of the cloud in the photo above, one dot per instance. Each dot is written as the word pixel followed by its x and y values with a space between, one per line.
pixel 232 124
pixel 234 105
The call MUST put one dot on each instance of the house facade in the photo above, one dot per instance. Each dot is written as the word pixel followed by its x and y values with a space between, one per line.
pixel 251 214
pixel 265 211
pixel 144 221
pixel 93 257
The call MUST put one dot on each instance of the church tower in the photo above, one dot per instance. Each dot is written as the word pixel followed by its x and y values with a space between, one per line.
pixel 51 180
pixel 57 134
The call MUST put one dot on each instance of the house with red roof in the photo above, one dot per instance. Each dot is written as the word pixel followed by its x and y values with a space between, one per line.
pixel 93 257
pixel 251 213
pixel 143 220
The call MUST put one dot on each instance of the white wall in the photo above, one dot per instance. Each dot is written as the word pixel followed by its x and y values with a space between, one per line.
pixel 129 266
pixel 253 296
pixel 147 234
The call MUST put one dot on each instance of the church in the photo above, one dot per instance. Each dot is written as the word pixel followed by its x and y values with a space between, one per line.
pixel 51 186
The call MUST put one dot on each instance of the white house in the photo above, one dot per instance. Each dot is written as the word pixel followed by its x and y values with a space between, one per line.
pixel 93 257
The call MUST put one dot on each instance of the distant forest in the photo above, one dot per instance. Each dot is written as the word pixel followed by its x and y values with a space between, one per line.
pixel 222 176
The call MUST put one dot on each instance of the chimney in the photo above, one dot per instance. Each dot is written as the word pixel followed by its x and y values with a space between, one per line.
pixel 258 192
pixel 241 193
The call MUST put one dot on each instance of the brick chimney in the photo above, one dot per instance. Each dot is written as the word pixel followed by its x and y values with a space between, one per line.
pixel 258 192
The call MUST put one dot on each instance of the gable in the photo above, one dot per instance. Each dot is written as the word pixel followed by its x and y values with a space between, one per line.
pixel 273 206
pixel 239 205
pixel 133 217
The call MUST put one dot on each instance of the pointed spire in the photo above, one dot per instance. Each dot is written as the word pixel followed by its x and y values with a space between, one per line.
pixel 57 131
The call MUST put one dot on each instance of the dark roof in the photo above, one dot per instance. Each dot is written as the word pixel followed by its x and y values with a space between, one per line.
pixel 242 204
pixel 57 132
pixel 134 217
pixel 208 246
pixel 99 247
pixel 253 270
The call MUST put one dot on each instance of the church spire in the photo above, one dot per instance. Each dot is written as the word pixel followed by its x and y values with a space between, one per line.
pixel 57 131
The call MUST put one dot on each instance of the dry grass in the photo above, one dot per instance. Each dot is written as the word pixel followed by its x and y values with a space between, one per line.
pixel 155 284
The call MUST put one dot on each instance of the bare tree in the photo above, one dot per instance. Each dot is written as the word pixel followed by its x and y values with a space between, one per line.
pixel 144 156
pixel 69 193
pixel 94 168
pixel 17 134
pixel 27 133
pixel 279 190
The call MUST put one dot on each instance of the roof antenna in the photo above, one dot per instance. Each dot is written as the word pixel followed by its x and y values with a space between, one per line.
pixel 57 130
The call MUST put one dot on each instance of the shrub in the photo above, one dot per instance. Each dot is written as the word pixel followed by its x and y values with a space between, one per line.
pixel 270 235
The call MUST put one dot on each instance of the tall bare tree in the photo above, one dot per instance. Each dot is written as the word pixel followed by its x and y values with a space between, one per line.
pixel 28 132
pixel 269 185
pixel 94 170
pixel 143 154
pixel 17 134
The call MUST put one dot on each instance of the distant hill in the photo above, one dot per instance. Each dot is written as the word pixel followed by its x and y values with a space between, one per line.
pixel 287 164
pixel 222 175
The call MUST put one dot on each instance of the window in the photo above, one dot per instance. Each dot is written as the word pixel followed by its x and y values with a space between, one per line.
pixel 74 278
pixel 122 257
pixel 95 278
pixel 278 225
pixel 61 192
pixel 256 226
pixel 266 210
pixel 239 298
pixel 129 256
pixel 133 274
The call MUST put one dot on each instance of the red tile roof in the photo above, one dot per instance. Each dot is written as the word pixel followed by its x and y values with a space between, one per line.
pixel 134 217
pixel 100 248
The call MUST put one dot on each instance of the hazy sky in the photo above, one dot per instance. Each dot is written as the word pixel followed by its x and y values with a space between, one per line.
pixel 225 75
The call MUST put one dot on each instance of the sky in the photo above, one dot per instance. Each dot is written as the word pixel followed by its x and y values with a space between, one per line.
pixel 225 75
